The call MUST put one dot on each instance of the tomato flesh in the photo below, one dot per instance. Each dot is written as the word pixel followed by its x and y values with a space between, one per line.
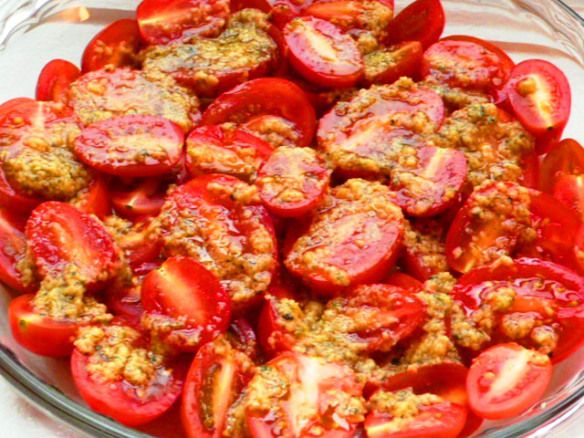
pixel 131 146
pixel 507 379
pixel 54 80
pixel 402 59
pixel 117 45
pixel 265 96
pixel 322 54
pixel 567 158
pixel 422 20
pixel 13 244
pixel 183 288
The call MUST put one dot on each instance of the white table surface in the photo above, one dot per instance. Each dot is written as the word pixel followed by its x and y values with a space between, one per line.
pixel 20 419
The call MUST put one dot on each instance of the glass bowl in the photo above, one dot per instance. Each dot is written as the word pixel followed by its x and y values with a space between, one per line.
pixel 32 32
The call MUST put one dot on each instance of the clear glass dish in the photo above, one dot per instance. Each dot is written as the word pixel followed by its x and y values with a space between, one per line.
pixel 32 32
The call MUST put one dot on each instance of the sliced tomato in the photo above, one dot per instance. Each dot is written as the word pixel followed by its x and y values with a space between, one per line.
pixel 281 11
pixel 131 146
pixel 468 63
pixel 549 295
pixel 352 240
pixel 277 131
pixel 95 199
pixel 242 337
pixel 117 45
pixel 293 181
pixel 214 383
pixel 404 281
pixel 59 234
pixel 40 334
pixel 422 20
pixel 382 315
pixel 387 65
pixel 127 403
pixel 274 333
pixel 54 80
pixel 322 54
pixel 186 293
pixel 9 197
pixel 424 254
pixel 13 249
pixel 488 226
pixel 163 21
pixel 140 199
pixel 126 304
pixel 140 243
pixel 507 379
pixel 265 96
pixel 316 398
pixel 567 158
pixel 438 419
pixel 540 96
pixel 433 185
pixel 223 149
pixel 569 190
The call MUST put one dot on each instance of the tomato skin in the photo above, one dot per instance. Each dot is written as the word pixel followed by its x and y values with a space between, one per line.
pixel 141 199
pixel 422 20
pixel 404 281
pixel 126 305
pixel 407 58
pixel 530 378
pixel 273 337
pixel 59 234
pixel 116 45
pixel 13 248
pixel 306 38
pixel 54 80
pixel 110 145
pixel 182 287
pixel 40 334
pixel 568 304
pixel 215 379
pixel 96 199
pixel 164 21
pixel 440 420
pixel 117 400
pixel 299 169
pixel 274 96
pixel 532 83
pixel 569 190
pixel 236 145
pixel 566 158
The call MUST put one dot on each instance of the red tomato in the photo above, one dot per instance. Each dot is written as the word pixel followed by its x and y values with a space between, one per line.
pixel 467 62
pixel 95 199
pixel 322 54
pixel 507 379
pixel 140 199
pixel 131 146
pixel 441 420
pixel 54 80
pixel 58 234
pixel 117 45
pixel 12 249
pixel 163 21
pixel 242 337
pixel 402 59
pixel 126 304
pixel 184 292
pixel 40 334
pixel 274 335
pixel 392 315
pixel 422 20
pixel 220 149
pixel 9 197
pixel 293 181
pixel 404 281
pixel 567 158
pixel 569 190
pixel 423 254
pixel 540 96
pixel 281 11
pixel 549 295
pixel 140 244
pixel 127 403
pixel 432 186
pixel 340 237
pixel 265 96
pixel 353 16
pixel 214 382
pixel 316 394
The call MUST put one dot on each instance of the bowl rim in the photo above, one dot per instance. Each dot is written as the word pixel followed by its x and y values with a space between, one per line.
pixel 57 405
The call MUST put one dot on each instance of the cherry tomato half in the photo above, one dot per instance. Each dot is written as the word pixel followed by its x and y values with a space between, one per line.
pixel 54 80
pixel 117 45
pixel 322 54
pixel 139 199
pixel 13 249
pixel 567 158
pixel 540 96
pixel 387 65
pixel 265 96
pixel 507 379
pixel 183 291
pixel 422 20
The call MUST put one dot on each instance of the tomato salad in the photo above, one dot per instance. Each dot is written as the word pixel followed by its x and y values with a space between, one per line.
pixel 296 219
